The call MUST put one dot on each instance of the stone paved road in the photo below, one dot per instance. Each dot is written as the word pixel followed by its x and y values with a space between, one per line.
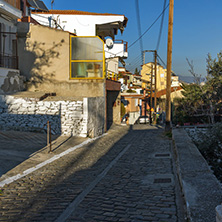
pixel 123 176
pixel 26 143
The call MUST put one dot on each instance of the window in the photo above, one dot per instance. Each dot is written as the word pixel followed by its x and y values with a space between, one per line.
pixel 87 58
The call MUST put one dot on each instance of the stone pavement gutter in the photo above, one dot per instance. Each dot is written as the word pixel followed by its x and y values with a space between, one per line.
pixel 201 189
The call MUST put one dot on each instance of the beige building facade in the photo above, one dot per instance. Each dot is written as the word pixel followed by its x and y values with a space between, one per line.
pixel 45 62
pixel 148 70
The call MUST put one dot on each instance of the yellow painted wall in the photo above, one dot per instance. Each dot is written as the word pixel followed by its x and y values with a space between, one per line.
pixel 161 76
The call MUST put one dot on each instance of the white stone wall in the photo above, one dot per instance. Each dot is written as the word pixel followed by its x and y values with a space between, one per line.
pixel 66 117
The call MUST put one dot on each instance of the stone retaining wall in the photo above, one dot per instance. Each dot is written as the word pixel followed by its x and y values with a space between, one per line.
pixel 66 117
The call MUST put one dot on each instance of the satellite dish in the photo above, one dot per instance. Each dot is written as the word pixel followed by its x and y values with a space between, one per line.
pixel 109 43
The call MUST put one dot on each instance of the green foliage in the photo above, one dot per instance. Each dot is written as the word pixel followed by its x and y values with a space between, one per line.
pixel 123 110
pixel 136 71
pixel 120 75
pixel 210 146
pixel 201 101
pixel 214 78
pixel 169 134
pixel 188 108
pixel 131 91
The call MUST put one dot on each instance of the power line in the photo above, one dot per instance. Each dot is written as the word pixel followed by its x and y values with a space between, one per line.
pixel 161 26
pixel 136 63
pixel 146 30
pixel 162 61
pixel 138 58
pixel 139 26
pixel 149 26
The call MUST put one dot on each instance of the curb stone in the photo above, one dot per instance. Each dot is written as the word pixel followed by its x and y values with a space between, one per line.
pixel 201 189
pixel 178 170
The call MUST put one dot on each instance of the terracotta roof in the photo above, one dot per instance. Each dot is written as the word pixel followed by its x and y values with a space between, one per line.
pixel 132 95
pixel 74 12
pixel 130 73
pixel 163 91
pixel 136 75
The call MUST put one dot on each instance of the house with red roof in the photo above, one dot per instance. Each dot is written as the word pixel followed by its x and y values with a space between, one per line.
pixel 74 54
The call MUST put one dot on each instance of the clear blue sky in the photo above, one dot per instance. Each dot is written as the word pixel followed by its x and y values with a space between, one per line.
pixel 197 28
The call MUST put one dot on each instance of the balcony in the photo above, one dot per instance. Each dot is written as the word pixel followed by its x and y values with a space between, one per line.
pixel 120 49
pixel 8 50
pixel 8 61
pixel 14 3
pixel 10 9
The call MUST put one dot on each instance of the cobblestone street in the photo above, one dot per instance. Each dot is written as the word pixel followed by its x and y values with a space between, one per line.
pixel 126 175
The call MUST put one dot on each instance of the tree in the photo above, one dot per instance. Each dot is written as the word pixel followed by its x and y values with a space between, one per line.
pixel 214 80
pixel 136 71
pixel 202 98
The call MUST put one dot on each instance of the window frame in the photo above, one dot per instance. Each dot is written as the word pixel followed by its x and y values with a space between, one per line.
pixel 93 61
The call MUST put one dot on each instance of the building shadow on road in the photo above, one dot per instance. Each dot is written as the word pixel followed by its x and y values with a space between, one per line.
pixel 17 146
pixel 69 176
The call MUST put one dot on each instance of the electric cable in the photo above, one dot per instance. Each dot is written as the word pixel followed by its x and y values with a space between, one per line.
pixel 135 63
pixel 162 61
pixel 161 27
pixel 139 27
pixel 137 59
pixel 146 29
pixel 149 27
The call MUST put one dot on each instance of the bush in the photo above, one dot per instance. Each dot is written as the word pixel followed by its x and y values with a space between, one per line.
pixel 210 145
pixel 123 110
pixel 131 91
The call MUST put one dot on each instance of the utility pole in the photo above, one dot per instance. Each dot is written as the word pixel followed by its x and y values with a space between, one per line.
pixel 151 94
pixel 144 93
pixel 169 65
pixel 153 70
pixel 155 77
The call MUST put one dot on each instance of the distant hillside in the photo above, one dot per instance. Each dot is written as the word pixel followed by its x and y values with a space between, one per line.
pixel 187 79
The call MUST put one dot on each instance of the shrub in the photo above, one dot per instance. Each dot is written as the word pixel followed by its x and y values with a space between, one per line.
pixel 209 143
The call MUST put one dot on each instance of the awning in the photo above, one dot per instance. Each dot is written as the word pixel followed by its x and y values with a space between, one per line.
pixel 37 4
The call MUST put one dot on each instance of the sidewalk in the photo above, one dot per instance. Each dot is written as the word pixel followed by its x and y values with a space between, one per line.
pixel 126 175
pixel 201 189
pixel 21 151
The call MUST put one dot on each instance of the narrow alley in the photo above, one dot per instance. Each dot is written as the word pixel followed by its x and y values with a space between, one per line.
pixel 126 175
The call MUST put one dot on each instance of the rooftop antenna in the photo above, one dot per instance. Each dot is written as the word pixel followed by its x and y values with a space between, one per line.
pixel 52 2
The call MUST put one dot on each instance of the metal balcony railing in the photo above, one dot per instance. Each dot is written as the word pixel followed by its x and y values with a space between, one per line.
pixel 122 42
pixel 111 75
pixel 9 61
pixel 8 50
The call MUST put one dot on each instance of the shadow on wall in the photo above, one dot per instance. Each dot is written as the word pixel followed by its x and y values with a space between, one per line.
pixel 43 59
pixel 38 58
pixel 111 101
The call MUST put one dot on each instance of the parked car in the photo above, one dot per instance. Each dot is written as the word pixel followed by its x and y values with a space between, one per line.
pixel 143 120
